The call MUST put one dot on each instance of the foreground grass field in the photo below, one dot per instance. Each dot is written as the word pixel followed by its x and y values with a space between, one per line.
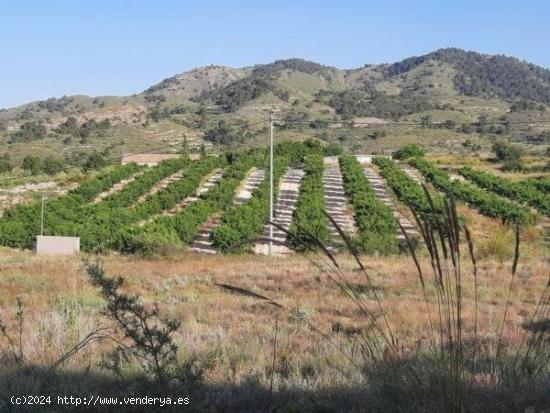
pixel 244 354
pixel 459 324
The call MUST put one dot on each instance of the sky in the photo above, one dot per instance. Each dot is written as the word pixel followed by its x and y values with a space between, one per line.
pixel 120 47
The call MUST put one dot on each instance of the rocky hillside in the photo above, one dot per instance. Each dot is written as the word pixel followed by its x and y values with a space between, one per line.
pixel 196 82
pixel 214 105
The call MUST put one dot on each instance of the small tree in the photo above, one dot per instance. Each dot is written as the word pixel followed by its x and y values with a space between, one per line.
pixel 203 151
pixel 150 335
pixel 95 161
pixel 52 165
pixel 509 155
pixel 32 164
pixel 5 164
pixel 222 134
pixel 184 146
pixel 426 121
pixel 408 151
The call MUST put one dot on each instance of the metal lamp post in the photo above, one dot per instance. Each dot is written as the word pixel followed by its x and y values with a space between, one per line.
pixel 43 197
pixel 270 182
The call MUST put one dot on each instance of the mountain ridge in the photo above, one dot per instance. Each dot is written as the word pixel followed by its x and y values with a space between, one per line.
pixel 389 69
pixel 447 85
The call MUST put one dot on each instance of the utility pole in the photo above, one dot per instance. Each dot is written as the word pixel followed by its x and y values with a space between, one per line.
pixel 42 215
pixel 270 182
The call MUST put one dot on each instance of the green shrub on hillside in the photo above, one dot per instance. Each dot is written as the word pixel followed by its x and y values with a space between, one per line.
pixel 29 131
pixel 154 240
pixel 509 155
pixel 32 164
pixel 5 163
pixel 408 151
pixel 52 165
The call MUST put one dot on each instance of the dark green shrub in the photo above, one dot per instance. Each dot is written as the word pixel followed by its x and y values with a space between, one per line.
pixel 155 240
pixel 95 161
pixel 32 164
pixel 408 151
pixel 5 163
pixel 52 165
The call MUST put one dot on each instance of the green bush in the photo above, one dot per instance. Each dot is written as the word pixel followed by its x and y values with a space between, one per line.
pixel 155 240
pixel 52 165
pixel 5 163
pixel 408 151
pixel 95 161
pixel 509 155
pixel 32 164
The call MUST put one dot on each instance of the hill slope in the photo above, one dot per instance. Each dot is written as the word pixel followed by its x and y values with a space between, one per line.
pixel 217 104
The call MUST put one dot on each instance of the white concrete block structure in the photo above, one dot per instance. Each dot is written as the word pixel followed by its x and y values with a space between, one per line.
pixel 51 245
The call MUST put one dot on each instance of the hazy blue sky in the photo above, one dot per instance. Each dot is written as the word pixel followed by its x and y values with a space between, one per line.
pixel 95 47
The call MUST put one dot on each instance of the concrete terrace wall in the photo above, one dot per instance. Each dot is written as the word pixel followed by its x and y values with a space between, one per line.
pixel 48 245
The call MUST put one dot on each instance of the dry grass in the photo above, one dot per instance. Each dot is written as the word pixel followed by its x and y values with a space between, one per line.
pixel 299 352
pixel 484 161
pixel 56 293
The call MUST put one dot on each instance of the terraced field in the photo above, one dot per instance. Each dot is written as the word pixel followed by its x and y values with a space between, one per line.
pixel 379 188
pixel 336 202
pixel 222 204
pixel 283 211
pixel 203 241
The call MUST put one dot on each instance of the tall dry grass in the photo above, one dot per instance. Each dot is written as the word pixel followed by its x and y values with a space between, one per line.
pixel 456 368
pixel 357 334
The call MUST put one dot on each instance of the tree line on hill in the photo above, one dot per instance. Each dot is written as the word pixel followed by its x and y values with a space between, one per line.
pixel 51 165
pixel 484 75
pixel 359 103
pixel 35 130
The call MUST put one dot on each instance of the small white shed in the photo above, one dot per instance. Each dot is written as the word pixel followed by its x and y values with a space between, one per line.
pixel 50 245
